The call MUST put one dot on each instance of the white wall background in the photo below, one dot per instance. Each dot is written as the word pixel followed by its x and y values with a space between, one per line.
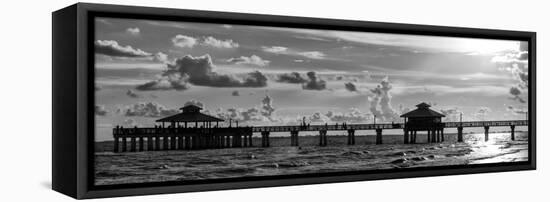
pixel 25 76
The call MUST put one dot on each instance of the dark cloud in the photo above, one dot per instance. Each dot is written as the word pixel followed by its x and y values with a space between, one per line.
pixel 350 87
pixel 132 94
pixel 314 83
pixel 199 71
pixel 516 110
pixel 195 103
pixel 381 98
pixel 235 93
pixel 516 94
pixel 148 109
pixel 112 48
pixel 100 110
pixel 293 77
pixel 517 63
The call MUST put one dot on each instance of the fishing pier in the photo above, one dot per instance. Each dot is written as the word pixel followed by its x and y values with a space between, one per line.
pixel 192 130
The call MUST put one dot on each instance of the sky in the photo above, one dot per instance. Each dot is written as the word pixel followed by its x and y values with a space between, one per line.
pixel 146 70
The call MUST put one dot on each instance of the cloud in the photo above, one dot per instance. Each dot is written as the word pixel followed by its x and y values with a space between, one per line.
pixel 235 93
pixel 130 123
pixel 133 31
pixel 132 94
pixel 263 113
pixel 287 51
pixel 165 83
pixel 516 92
pixel 354 115
pixel 293 77
pixel 184 41
pixel 350 87
pixel 312 54
pixel 380 101
pixel 275 49
pixel 199 71
pixel 148 109
pixel 112 48
pixel 452 114
pixel 217 43
pixel 160 57
pixel 100 110
pixel 516 110
pixel 252 60
pixel 482 113
pixel 517 63
pixel 314 83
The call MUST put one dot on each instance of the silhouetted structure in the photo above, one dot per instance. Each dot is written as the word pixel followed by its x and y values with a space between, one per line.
pixel 423 119
pixel 201 134
pixel 190 114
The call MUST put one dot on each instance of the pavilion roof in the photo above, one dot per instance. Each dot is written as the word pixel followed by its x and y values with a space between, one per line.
pixel 422 110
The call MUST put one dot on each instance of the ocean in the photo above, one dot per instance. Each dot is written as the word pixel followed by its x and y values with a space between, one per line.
pixel 282 159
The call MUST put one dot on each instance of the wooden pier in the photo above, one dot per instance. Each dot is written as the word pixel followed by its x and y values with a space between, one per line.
pixel 206 136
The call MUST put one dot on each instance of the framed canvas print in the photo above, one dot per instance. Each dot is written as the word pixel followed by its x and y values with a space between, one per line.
pixel 154 100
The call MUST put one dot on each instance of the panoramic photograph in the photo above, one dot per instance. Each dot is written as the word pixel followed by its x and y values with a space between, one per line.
pixel 186 101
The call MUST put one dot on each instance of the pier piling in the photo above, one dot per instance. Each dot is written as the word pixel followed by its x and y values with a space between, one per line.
pixel 123 144
pixel 115 148
pixel 486 133
pixel 323 138
pixel 351 137
pixel 378 136
pixel 512 131
pixel 460 137
pixel 141 144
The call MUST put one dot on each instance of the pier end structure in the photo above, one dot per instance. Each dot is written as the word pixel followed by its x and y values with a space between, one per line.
pixel 423 119
pixel 187 130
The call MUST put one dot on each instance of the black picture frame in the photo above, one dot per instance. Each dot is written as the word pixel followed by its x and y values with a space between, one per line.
pixel 73 99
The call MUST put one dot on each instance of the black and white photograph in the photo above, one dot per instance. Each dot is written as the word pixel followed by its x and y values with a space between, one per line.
pixel 186 101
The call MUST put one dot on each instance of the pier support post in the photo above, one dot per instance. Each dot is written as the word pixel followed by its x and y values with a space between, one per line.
pixel 437 135
pixel 157 143
pixel 149 143
pixel 323 138
pixel 512 132
pixel 429 135
pixel 141 146
pixel 486 133
pixel 265 138
pixel 187 142
pixel 124 144
pixel 434 134
pixel 460 137
pixel 351 137
pixel 379 136
pixel 133 144
pixel 250 140
pixel 165 143
pixel 228 141
pixel 442 135
pixel 414 137
pixel 294 138
pixel 173 142
pixel 405 136
pixel 245 141
pixel 115 148
pixel 180 143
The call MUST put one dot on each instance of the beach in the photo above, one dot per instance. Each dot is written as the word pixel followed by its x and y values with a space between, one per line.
pixel 281 159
